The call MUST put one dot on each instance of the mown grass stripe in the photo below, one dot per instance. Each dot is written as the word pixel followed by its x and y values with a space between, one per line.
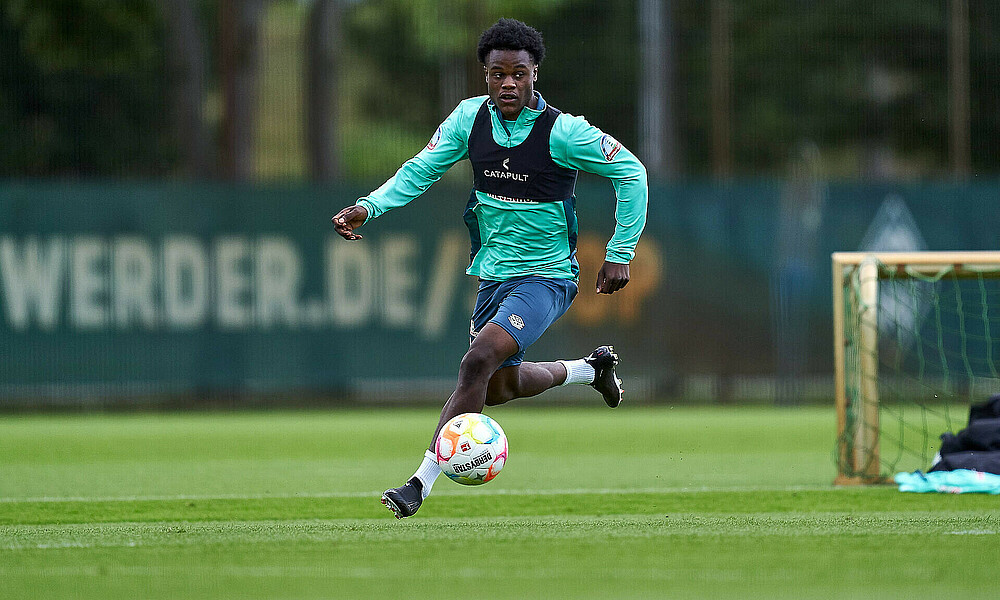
pixel 437 493
pixel 624 526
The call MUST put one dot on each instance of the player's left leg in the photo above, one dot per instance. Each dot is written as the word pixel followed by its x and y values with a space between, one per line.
pixel 509 316
pixel 488 350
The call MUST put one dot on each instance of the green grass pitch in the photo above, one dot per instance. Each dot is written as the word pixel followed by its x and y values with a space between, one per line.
pixel 638 502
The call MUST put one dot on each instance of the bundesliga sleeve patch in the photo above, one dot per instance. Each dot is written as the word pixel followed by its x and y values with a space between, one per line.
pixel 610 147
pixel 434 139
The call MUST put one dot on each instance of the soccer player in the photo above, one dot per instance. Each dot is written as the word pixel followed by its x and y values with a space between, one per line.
pixel 521 216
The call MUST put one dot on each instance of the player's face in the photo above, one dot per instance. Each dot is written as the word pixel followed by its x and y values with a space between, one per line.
pixel 510 76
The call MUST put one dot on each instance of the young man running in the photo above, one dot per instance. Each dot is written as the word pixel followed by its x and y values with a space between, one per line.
pixel 521 215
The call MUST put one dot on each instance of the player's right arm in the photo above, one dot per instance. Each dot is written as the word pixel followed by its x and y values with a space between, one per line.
pixel 449 145
pixel 349 219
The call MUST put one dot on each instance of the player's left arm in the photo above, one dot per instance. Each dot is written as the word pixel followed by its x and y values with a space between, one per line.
pixel 576 144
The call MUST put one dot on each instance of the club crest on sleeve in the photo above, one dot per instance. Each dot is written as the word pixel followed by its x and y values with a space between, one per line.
pixel 610 147
pixel 516 321
pixel 434 139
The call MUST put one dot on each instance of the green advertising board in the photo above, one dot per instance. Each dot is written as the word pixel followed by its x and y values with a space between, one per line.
pixel 123 290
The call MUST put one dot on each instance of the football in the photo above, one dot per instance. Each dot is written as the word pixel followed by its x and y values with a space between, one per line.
pixel 471 449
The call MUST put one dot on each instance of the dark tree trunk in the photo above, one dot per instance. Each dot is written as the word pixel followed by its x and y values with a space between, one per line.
pixel 239 22
pixel 321 52
pixel 186 64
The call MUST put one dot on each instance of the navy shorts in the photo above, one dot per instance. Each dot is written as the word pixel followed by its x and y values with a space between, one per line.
pixel 524 306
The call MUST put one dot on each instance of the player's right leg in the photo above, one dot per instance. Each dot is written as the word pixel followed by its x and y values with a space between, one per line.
pixel 523 381
pixel 531 378
pixel 528 307
pixel 604 360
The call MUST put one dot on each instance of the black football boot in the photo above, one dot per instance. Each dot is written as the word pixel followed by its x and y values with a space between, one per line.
pixel 404 500
pixel 604 360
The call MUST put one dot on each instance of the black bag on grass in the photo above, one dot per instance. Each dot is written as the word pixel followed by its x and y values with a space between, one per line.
pixel 976 447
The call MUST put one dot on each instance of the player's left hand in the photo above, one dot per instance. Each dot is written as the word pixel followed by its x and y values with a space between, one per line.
pixel 612 277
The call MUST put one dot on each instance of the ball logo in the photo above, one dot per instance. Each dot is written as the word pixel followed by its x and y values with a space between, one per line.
pixel 610 147
pixel 434 139
pixel 466 446
pixel 480 460
pixel 516 321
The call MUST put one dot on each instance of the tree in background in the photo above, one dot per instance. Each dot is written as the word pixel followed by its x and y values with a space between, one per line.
pixel 142 88
pixel 866 82
pixel 239 61
pixel 984 53
pixel 323 50
pixel 408 64
pixel 82 89
pixel 187 70
pixel 121 88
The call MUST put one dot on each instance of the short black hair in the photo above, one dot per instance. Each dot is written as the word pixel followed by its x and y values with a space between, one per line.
pixel 511 34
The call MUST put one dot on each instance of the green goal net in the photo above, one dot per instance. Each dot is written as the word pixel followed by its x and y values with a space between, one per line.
pixel 917 339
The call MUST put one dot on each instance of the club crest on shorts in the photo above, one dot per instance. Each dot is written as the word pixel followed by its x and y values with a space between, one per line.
pixel 434 139
pixel 516 321
pixel 610 147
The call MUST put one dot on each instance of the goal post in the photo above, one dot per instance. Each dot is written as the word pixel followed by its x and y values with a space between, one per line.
pixel 916 338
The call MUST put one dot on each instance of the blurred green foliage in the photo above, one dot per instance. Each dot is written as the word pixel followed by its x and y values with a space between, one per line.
pixel 848 76
pixel 851 77
pixel 82 88
pixel 396 56
pixel 83 83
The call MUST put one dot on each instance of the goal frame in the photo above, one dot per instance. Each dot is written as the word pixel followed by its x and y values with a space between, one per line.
pixel 865 466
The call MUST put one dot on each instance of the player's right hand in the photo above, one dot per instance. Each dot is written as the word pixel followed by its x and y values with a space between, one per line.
pixel 349 219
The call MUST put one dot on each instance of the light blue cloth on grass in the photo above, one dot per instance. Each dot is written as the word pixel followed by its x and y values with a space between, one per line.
pixel 959 481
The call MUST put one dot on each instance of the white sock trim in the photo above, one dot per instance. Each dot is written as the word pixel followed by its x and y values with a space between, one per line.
pixel 428 472
pixel 577 371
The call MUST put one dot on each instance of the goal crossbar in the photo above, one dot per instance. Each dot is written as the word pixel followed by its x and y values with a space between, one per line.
pixel 858 449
